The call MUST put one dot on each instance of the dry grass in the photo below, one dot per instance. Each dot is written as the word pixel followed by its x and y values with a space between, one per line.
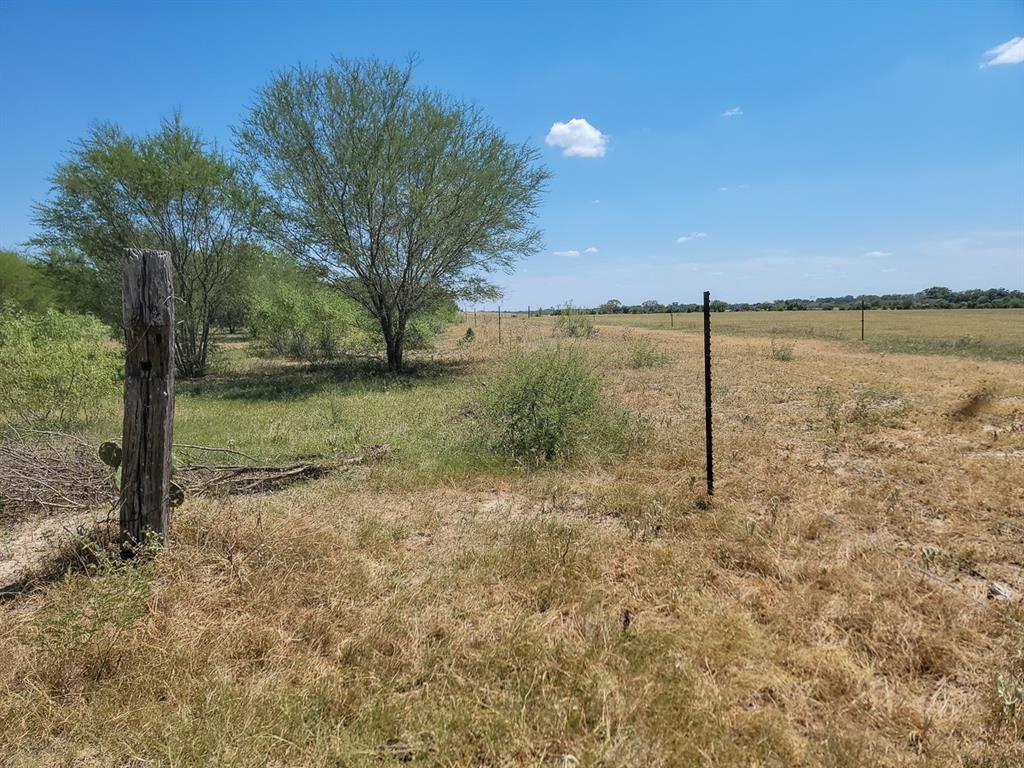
pixel 995 334
pixel 603 614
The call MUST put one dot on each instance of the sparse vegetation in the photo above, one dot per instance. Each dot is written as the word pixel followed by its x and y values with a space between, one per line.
pixel 641 350
pixel 572 323
pixel 781 350
pixel 446 603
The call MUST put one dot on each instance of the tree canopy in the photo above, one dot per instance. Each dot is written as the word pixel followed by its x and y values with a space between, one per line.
pixel 168 190
pixel 404 196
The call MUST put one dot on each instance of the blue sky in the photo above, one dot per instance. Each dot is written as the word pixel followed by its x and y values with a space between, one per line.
pixel 756 150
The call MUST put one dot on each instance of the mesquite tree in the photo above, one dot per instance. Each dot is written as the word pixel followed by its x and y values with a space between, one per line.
pixel 167 191
pixel 403 196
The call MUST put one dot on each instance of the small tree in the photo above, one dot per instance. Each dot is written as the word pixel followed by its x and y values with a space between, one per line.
pixel 406 197
pixel 169 191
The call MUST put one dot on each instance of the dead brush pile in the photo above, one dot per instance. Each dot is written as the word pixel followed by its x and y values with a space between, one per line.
pixel 45 474
pixel 50 473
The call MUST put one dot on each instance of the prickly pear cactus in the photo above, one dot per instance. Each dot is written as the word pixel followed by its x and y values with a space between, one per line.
pixel 177 494
pixel 110 454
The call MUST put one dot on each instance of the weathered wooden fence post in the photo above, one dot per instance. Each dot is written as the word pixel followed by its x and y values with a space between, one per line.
pixel 499 325
pixel 148 293
pixel 709 444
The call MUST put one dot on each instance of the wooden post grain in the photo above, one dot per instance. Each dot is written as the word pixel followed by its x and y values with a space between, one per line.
pixel 148 293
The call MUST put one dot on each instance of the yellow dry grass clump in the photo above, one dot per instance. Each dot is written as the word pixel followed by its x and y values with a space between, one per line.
pixel 830 606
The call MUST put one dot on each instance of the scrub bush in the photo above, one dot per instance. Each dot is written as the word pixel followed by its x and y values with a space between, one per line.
pixel 546 406
pixel 55 368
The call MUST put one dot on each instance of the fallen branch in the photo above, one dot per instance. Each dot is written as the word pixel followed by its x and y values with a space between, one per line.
pixel 235 479
pixel 207 448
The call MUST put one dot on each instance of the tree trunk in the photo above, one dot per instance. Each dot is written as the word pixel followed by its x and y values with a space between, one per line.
pixel 193 347
pixel 395 351
pixel 394 343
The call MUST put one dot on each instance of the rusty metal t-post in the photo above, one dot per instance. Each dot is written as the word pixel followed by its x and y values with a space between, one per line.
pixel 148 295
pixel 499 325
pixel 710 461
pixel 862 319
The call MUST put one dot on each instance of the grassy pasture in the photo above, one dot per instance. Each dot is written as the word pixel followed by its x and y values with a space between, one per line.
pixel 996 334
pixel 827 608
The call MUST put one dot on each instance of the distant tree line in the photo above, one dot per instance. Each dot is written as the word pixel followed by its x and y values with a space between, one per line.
pixel 930 298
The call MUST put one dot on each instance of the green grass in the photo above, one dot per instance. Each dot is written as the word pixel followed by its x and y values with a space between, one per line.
pixel 280 411
pixel 994 334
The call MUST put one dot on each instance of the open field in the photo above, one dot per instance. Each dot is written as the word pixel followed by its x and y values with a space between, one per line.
pixel 996 334
pixel 828 607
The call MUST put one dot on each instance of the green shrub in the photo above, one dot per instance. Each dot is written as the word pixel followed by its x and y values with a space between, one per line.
pixel 641 351
pixel 55 368
pixel 546 405
pixel 781 350
pixel 305 320
pixel 296 315
pixel 574 323
pixel 23 284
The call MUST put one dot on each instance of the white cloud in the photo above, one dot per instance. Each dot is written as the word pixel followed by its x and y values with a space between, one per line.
pixel 577 138
pixel 1010 52
pixel 877 254
pixel 595 202
pixel 730 189
pixel 572 253
pixel 691 236
pixel 734 112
